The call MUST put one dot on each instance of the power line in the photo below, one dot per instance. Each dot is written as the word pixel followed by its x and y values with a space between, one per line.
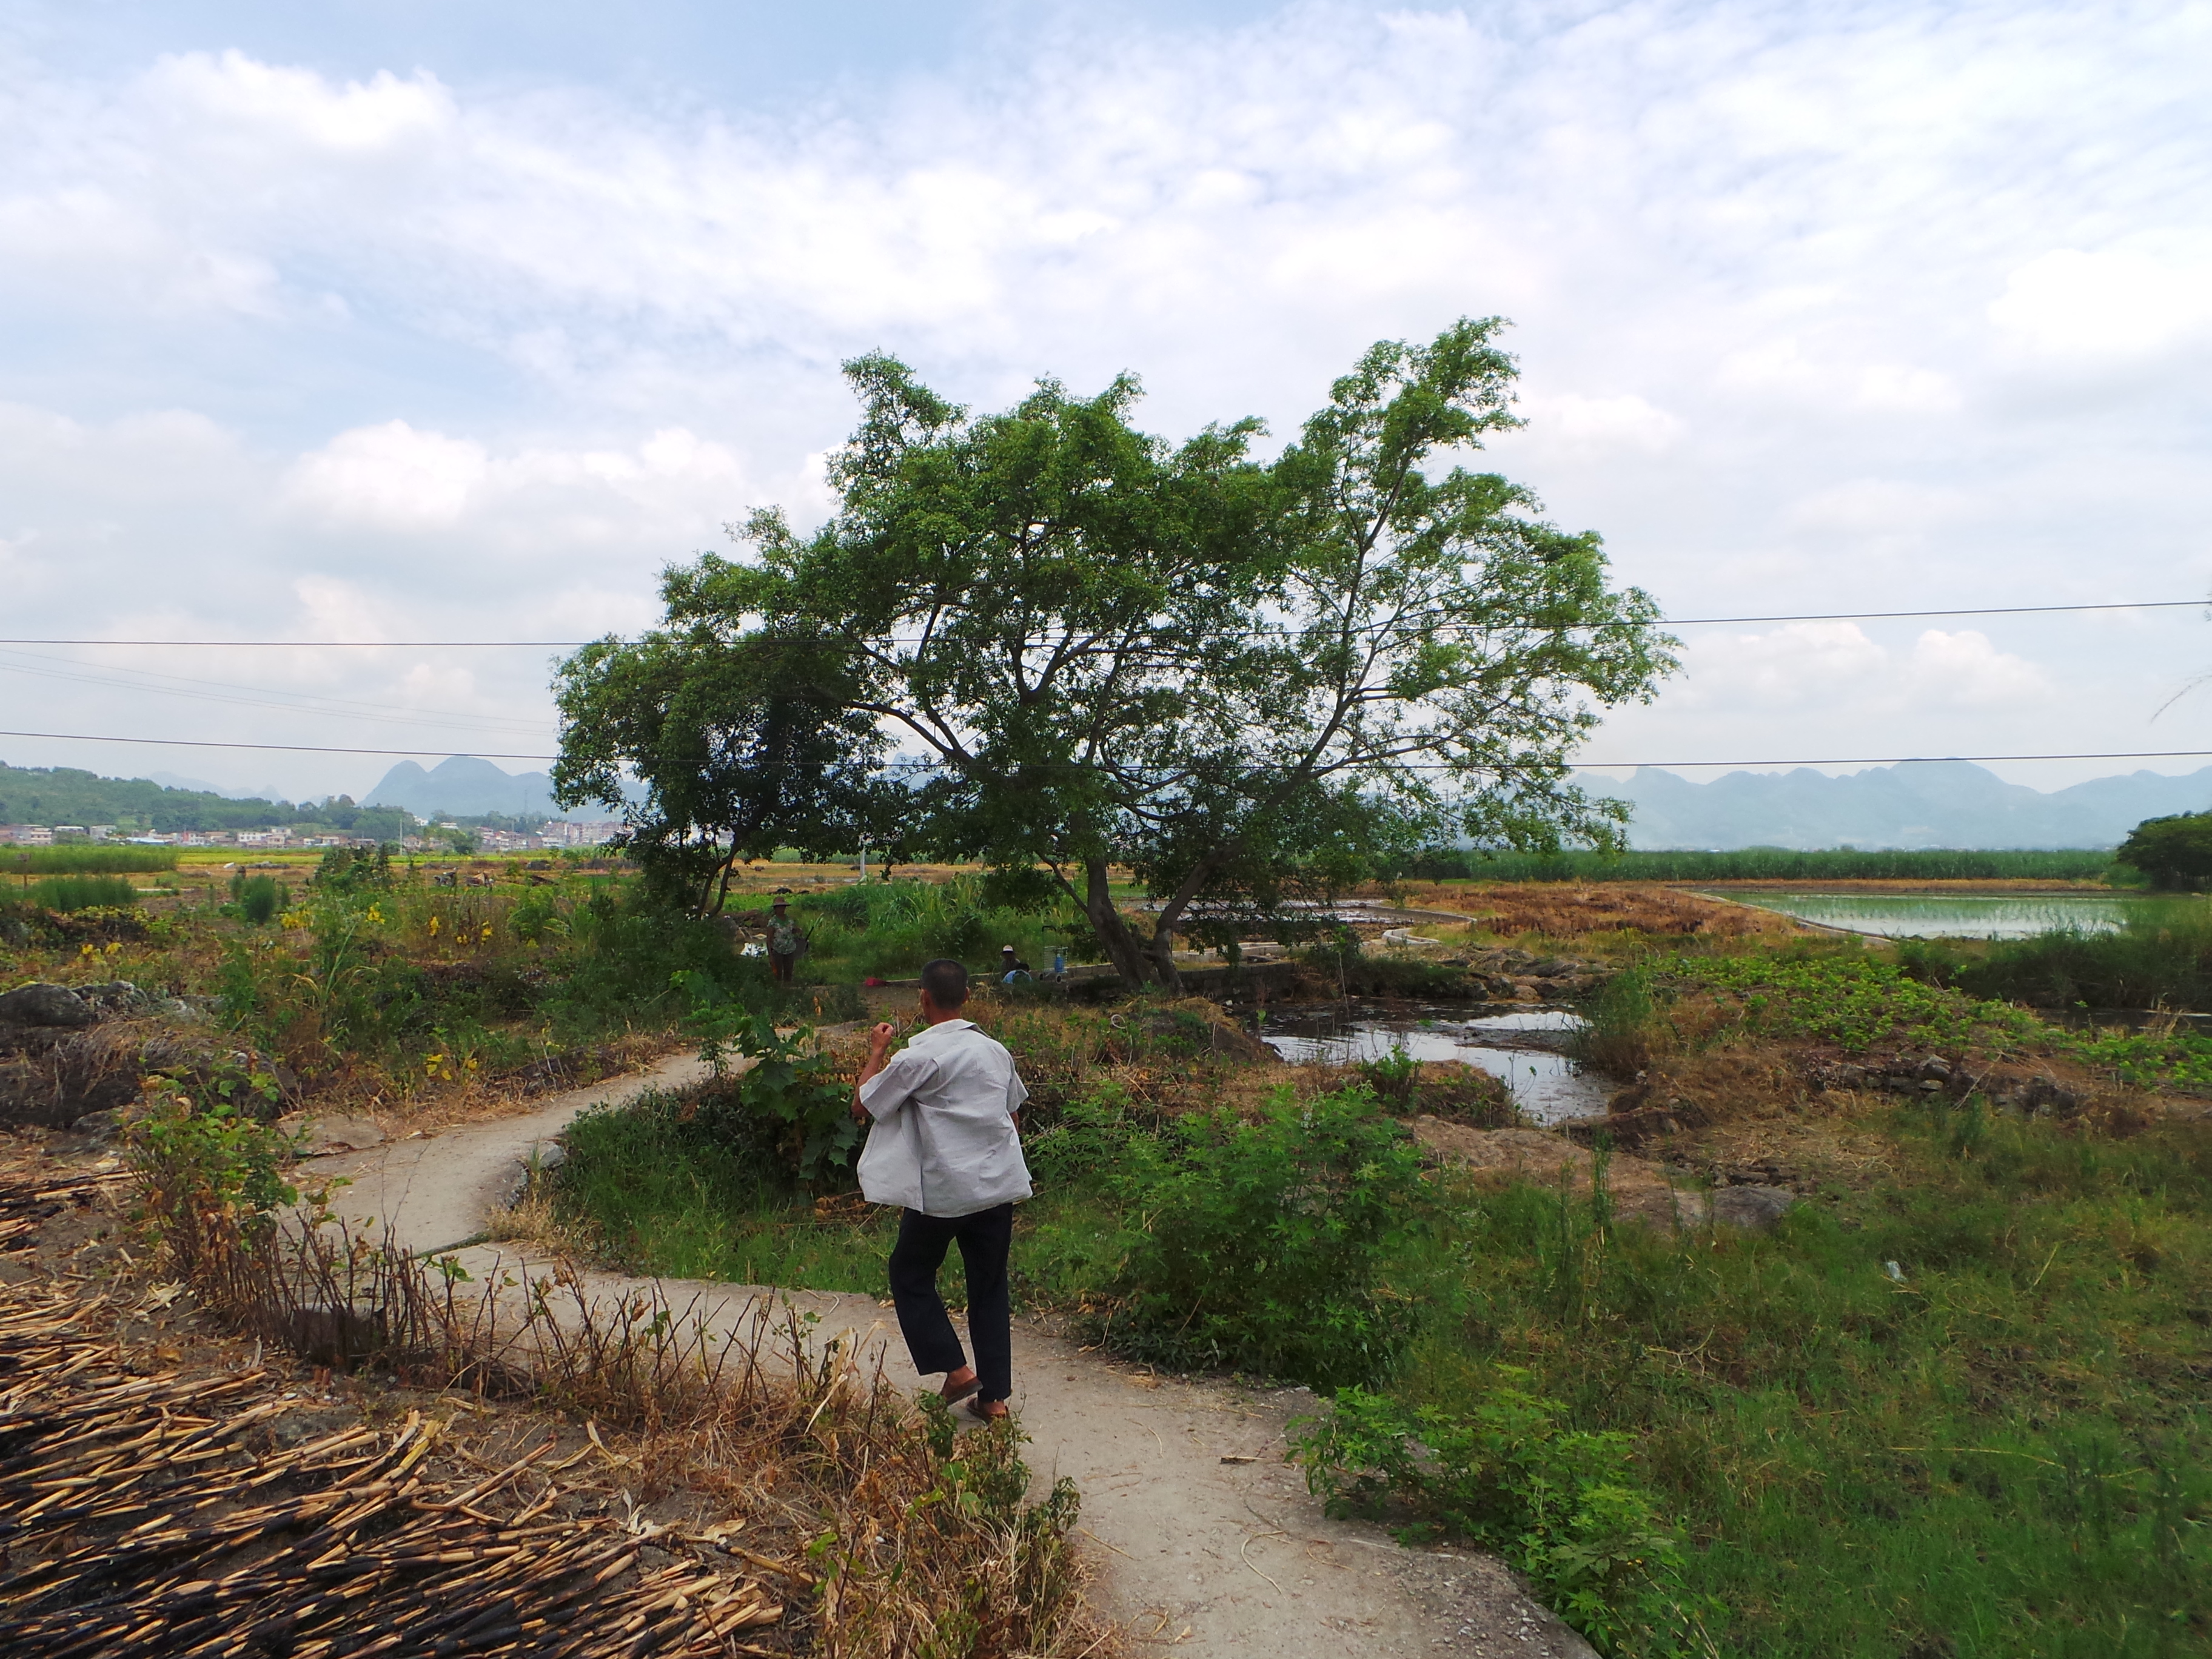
pixel 1662 621
pixel 1574 766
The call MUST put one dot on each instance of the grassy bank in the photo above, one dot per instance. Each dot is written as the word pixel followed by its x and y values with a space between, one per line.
pixel 1715 1442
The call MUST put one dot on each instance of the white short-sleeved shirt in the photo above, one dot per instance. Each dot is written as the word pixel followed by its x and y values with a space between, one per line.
pixel 943 1140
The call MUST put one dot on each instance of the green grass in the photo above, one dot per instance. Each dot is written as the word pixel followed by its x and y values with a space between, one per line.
pixel 87 860
pixel 2002 1455
pixel 2160 958
pixel 888 929
pixel 1999 1451
pixel 67 893
pixel 1775 864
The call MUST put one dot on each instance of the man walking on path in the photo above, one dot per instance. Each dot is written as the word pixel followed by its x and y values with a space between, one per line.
pixel 945 1146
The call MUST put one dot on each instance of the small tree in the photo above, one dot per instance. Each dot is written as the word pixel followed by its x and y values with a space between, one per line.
pixel 744 746
pixel 1249 683
pixel 2171 851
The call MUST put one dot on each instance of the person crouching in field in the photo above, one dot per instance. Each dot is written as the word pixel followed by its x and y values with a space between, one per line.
pixel 945 1145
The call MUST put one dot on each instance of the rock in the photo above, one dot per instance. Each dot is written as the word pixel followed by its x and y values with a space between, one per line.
pixel 102 1125
pixel 119 999
pixel 326 1133
pixel 1753 1208
pixel 46 1004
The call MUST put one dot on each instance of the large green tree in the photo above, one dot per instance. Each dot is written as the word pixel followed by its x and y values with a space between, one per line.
pixel 2172 851
pixel 745 740
pixel 1247 682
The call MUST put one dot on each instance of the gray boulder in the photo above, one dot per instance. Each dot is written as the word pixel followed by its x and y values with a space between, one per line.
pixel 1754 1208
pixel 39 1004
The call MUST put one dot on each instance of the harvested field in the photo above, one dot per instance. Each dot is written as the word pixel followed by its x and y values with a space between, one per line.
pixel 1574 910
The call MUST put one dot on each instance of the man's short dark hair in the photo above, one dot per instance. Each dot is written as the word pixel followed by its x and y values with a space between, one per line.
pixel 946 982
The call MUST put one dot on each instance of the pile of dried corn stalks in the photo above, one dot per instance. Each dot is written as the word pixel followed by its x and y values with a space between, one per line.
pixel 158 1514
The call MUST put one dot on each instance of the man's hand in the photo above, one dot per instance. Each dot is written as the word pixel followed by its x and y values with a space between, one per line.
pixel 879 1048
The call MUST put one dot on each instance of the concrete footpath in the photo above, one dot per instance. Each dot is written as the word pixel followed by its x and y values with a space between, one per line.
pixel 1203 1538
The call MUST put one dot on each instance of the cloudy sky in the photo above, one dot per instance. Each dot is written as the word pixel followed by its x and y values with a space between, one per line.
pixel 394 320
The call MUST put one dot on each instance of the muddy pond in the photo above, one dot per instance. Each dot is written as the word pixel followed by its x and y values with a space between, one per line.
pixel 1523 1045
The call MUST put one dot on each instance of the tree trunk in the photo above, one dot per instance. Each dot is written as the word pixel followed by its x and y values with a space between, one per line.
pixel 1128 957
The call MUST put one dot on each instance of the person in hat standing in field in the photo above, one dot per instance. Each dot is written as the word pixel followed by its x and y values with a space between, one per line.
pixel 945 1146
pixel 785 942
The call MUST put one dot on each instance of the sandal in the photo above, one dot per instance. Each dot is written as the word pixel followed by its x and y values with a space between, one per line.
pixel 987 1411
pixel 954 1393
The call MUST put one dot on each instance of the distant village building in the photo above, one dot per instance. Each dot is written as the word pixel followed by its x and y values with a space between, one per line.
pixel 559 832
pixel 27 834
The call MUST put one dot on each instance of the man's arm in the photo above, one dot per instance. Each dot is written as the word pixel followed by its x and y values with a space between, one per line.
pixel 880 1049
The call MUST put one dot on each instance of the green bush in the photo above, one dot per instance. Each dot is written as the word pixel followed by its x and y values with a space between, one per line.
pixel 258 898
pixel 791 1082
pixel 1271 1244
pixel 67 893
pixel 2161 957
pixel 1506 1472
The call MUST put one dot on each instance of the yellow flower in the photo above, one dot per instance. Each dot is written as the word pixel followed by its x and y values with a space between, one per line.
pixel 487 930
pixel 113 950
pixel 434 927
pixel 470 1064
pixel 84 950
pixel 375 915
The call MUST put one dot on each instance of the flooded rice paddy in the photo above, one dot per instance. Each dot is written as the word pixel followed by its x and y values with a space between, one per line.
pixel 1522 1045
pixel 1950 915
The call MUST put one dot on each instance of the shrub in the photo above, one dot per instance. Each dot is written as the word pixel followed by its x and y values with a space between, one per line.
pixel 258 898
pixel 1270 1243
pixel 68 893
pixel 209 1171
pixel 1614 1036
pixel 1562 1505
pixel 791 1081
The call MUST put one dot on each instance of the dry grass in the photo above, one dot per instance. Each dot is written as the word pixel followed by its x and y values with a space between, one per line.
pixel 1574 910
pixel 900 1541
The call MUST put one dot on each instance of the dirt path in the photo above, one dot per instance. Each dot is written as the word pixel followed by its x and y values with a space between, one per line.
pixel 1205 1541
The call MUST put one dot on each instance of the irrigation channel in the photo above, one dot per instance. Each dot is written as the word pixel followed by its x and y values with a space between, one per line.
pixel 1948 915
pixel 1524 1045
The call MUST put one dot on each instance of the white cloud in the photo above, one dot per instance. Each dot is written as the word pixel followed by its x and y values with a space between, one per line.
pixel 1775 272
pixel 2069 303
pixel 390 476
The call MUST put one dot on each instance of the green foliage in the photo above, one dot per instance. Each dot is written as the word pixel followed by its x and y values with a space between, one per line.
pixel 2001 1455
pixel 1763 864
pixel 2171 852
pixel 2160 958
pixel 68 893
pixel 890 928
pixel 354 869
pixel 1563 1506
pixel 744 746
pixel 258 898
pixel 205 1160
pixel 95 859
pixel 1270 1244
pixel 697 1186
pixel 1613 1039
pixel 1859 1002
pixel 1250 683
pixel 790 1081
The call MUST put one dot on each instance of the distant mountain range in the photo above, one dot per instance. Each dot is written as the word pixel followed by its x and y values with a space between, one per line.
pixel 1920 804
pixel 463 787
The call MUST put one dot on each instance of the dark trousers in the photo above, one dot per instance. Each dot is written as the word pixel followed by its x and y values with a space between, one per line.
pixel 984 1238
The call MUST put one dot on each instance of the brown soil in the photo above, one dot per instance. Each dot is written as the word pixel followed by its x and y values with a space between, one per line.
pixel 1569 910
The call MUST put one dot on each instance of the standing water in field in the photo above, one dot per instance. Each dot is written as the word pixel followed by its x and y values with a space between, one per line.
pixel 1520 1044
pixel 1949 915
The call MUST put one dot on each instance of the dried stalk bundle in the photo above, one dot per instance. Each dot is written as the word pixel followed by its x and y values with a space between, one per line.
pixel 153 1514
pixel 22 1208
